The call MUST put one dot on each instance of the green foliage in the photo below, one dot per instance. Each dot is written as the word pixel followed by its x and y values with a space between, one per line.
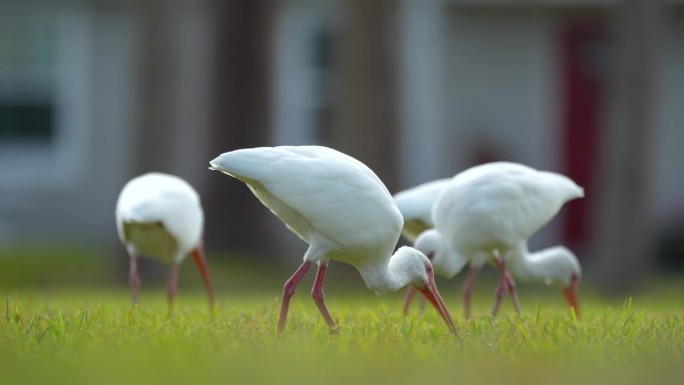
pixel 96 338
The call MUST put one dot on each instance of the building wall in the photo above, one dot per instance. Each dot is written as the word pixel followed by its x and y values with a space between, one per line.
pixel 505 100
pixel 423 41
pixel 668 165
pixel 503 92
pixel 503 87
pixel 476 83
pixel 65 192
pixel 62 192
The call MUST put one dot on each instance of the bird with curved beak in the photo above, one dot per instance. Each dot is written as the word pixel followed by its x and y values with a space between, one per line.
pixel 342 210
pixel 160 215
pixel 505 203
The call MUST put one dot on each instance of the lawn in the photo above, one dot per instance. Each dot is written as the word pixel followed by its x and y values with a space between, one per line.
pixel 67 319
pixel 85 336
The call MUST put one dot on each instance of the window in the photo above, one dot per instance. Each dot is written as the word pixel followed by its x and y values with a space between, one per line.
pixel 44 97
pixel 26 122
pixel 28 48
pixel 321 48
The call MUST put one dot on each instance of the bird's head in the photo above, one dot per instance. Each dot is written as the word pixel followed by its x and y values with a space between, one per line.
pixel 413 265
pixel 418 272
pixel 568 274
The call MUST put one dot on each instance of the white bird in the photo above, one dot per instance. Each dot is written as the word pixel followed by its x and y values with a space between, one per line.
pixel 553 266
pixel 342 210
pixel 556 265
pixel 160 215
pixel 486 214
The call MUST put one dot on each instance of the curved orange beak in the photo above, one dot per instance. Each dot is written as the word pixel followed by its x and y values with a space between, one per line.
pixel 572 295
pixel 432 294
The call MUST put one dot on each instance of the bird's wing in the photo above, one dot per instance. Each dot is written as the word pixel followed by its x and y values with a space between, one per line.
pixel 507 199
pixel 416 203
pixel 312 187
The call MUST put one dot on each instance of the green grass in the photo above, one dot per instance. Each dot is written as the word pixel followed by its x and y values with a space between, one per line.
pixel 66 319
pixel 93 337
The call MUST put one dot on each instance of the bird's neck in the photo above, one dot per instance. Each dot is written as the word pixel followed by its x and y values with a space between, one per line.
pixel 447 262
pixel 541 266
pixel 383 277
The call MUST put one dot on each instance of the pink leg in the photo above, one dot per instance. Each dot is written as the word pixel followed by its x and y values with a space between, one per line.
pixel 172 284
pixel 506 284
pixel 501 288
pixel 319 297
pixel 134 279
pixel 468 289
pixel 410 293
pixel 421 302
pixel 513 292
pixel 288 292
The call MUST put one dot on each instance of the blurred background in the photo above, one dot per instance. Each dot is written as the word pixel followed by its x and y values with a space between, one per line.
pixel 95 92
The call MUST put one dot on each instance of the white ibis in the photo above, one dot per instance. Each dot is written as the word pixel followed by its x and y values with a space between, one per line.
pixel 486 214
pixel 342 210
pixel 553 266
pixel 160 216
pixel 556 265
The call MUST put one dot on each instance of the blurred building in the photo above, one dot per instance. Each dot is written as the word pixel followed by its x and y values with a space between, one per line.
pixel 83 85
pixel 95 92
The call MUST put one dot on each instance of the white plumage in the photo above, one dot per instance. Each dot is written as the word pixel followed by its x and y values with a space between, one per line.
pixel 166 200
pixel 160 215
pixel 495 205
pixel 342 209
pixel 487 213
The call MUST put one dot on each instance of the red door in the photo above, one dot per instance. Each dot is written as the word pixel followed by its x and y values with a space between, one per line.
pixel 583 50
